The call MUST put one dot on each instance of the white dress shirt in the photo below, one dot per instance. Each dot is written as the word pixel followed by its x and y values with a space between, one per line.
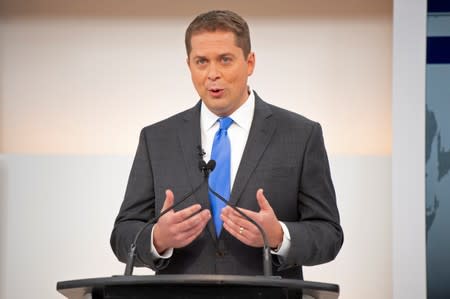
pixel 238 134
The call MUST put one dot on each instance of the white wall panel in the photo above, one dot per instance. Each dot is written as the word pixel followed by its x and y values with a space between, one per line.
pixel 408 151
pixel 363 267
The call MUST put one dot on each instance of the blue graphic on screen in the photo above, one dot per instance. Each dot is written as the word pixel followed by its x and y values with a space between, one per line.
pixel 438 155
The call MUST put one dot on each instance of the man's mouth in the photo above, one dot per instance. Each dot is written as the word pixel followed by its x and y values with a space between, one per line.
pixel 215 92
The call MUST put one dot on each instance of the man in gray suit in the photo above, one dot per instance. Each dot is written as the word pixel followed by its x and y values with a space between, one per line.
pixel 276 170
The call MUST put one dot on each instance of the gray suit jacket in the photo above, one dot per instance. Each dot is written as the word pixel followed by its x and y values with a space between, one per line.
pixel 284 155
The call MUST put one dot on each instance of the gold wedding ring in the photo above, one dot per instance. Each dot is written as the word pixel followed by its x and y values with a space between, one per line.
pixel 241 230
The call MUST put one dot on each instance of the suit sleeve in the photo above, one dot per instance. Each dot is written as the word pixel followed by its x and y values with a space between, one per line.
pixel 137 208
pixel 317 236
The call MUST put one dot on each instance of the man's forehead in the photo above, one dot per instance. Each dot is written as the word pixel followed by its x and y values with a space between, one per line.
pixel 218 42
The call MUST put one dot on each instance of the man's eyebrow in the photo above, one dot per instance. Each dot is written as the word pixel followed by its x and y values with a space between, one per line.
pixel 198 56
pixel 226 54
pixel 220 55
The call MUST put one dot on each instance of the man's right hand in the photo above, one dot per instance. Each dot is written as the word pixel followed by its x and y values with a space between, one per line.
pixel 178 229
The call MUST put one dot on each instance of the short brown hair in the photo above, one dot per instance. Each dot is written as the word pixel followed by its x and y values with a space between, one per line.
pixel 220 20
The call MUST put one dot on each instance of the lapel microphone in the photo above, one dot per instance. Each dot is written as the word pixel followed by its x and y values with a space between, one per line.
pixel 205 168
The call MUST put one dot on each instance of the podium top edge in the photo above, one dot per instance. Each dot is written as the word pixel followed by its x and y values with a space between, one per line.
pixel 197 279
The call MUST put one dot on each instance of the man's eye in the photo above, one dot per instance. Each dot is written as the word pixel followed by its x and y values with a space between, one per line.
pixel 200 61
pixel 226 59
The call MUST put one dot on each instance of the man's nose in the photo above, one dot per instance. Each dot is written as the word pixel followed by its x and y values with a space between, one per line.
pixel 213 72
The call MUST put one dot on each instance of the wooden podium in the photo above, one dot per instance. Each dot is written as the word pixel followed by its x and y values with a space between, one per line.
pixel 195 287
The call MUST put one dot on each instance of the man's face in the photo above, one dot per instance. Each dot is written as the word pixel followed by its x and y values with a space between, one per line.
pixel 219 71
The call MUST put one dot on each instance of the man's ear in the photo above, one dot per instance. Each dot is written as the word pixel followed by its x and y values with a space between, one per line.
pixel 251 60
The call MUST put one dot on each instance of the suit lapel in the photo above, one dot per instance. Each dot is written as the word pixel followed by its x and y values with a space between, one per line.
pixel 190 138
pixel 261 131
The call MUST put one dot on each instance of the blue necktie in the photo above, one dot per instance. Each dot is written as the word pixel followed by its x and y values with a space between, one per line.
pixel 219 179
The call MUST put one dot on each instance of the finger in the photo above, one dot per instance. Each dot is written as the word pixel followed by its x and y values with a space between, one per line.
pixel 230 211
pixel 250 235
pixel 236 224
pixel 245 237
pixel 262 200
pixel 169 200
pixel 186 237
pixel 200 219
pixel 194 235
pixel 198 227
pixel 185 213
pixel 230 228
pixel 236 219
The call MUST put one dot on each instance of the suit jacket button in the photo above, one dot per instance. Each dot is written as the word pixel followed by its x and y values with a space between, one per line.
pixel 220 253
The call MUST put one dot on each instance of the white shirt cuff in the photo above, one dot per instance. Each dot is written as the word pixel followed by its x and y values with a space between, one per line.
pixel 285 244
pixel 167 254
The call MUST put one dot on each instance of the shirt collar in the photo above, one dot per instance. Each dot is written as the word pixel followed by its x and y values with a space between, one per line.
pixel 242 117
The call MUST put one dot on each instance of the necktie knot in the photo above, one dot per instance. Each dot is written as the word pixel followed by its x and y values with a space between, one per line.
pixel 225 123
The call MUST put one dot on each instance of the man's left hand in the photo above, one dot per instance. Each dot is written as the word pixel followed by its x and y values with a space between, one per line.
pixel 248 233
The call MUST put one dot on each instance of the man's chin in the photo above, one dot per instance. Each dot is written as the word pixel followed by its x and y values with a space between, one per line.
pixel 215 107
